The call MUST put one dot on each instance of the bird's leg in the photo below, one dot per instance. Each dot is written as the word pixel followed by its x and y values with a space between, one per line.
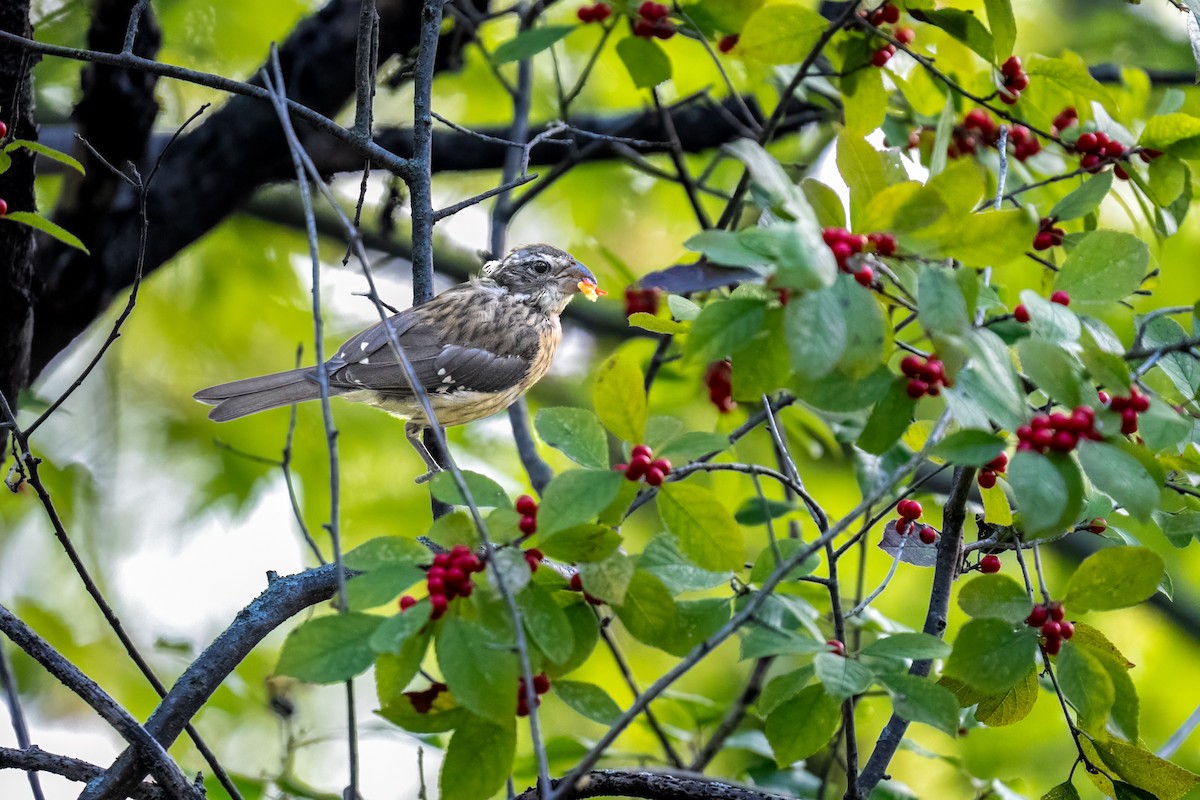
pixel 413 432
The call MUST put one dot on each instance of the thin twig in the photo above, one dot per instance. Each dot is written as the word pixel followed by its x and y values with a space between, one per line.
pixel 631 682
pixel 17 715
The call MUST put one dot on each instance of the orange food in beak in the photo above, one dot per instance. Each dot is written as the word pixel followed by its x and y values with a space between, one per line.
pixel 590 290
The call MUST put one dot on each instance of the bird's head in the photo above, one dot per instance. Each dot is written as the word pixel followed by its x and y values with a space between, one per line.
pixel 543 276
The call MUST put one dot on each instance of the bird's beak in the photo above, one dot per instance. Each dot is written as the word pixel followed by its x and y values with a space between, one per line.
pixel 579 278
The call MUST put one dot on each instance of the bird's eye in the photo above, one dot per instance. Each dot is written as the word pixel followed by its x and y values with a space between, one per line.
pixel 541 267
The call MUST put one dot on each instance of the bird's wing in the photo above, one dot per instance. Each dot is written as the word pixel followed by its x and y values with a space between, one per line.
pixel 436 337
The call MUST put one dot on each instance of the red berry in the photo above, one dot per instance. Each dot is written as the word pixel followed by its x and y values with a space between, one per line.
pixel 1056 611
pixel 989 564
pixel 928 535
pixel 987 478
pixel 890 13
pixel 601 12
pixel 1037 617
pixel 3 129
pixel 838 647
pixel 643 28
pixel 1017 83
pixel 880 57
pixel 727 43
pixel 1129 421
pixel 1103 396
pixel 911 366
pixel 439 604
pixel 1140 402
pixel 885 243
pixel 526 505
pixel 1114 149
pixel 1146 154
pixel 1063 441
pixel 436 586
pixel 1051 630
pixel 1021 313
pixel 662 465
pixel 663 29
pixel 1120 173
pixel 584 13
pixel 905 35
pixel 1011 67
pixel 864 276
pixel 1061 297
pixel 1090 162
pixel 841 252
pixel 1053 646
pixel 1042 438
pixel 1066 629
pixel 654 476
pixel 1082 419
pixel 576 583
pixel 651 10
pixel 1087 143
pixel 917 388
pixel 1066 118
pixel 407 602
pixel 533 557
pixel 999 463
pixel 641 301
pixel 455 576
pixel 440 560
pixel 1009 98
pixel 637 467
pixel 902 526
pixel 909 509
pixel 541 684
pixel 640 450
pixel 1043 240
pixel 528 525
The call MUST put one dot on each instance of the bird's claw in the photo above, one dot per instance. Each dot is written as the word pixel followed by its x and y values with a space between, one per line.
pixel 427 477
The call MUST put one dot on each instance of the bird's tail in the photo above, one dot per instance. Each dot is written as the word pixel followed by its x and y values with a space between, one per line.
pixel 249 396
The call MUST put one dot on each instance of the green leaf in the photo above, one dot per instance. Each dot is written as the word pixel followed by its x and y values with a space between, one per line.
pixel 648 64
pixel 608 579
pixel 965 27
pixel 864 101
pixel 575 497
pixel 1145 770
pixel 990 656
pixel 889 419
pixel 723 327
pixel 1052 322
pixel 1049 492
pixel 1177 134
pixel 395 630
pixel 759 510
pixel 921 700
pixel 1116 577
pixel 329 649
pixel 588 700
pixel 1085 683
pixel 386 551
pixel 803 725
pixel 394 671
pixel 548 626
pixel 1121 476
pixel 1003 26
pixel 693 444
pixel 1180 367
pixel 1071 75
pixel 943 309
pixel 1084 199
pixel 725 248
pixel 1053 369
pixel 766 563
pixel 780 33
pixel 480 668
pixel 1012 705
pixel 581 543
pixel 1167 177
pixel 647 611
pixel 973 448
pixel 1064 791
pixel 826 204
pixel 585 632
pixel 649 322
pixel 997 596
pixel 662 559
pixel 908 645
pixel 839 326
pixel 478 759
pixel 484 491
pixel 842 677
pixel 866 171
pixel 707 533
pixel 1103 267
pixel 762 641
pixel 47 227
pixel 620 399
pixel 48 152
pixel 801 259
pixel 990 380
pixel 576 432
pixel 784 687
pixel 379 586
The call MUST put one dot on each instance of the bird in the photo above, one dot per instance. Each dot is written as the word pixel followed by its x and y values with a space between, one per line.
pixel 475 349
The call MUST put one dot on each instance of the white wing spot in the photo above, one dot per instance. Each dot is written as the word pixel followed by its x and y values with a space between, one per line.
pixel 364 345
pixel 365 361
pixel 448 379
pixel 460 388
pixel 442 371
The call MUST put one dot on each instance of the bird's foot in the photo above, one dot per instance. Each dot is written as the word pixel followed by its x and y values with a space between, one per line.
pixel 427 477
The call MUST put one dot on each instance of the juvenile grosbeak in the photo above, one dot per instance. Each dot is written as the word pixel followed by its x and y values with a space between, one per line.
pixel 475 348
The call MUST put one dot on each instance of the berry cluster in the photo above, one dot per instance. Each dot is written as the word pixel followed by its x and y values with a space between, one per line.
pixel 990 564
pixel 926 376
pixel 719 380
pixel 910 511
pixel 1048 235
pixel 448 578
pixel 1055 629
pixel 1128 407
pixel 727 43
pixel 1015 81
pixel 1059 432
pixel 541 685
pixel 597 12
pixel 527 507
pixel 1021 313
pixel 533 557
pixel 844 244
pixel 652 21
pixel 576 585
pixel 1099 151
pixel 641 466
pixel 1065 119
pixel 886 14
pixel 987 475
